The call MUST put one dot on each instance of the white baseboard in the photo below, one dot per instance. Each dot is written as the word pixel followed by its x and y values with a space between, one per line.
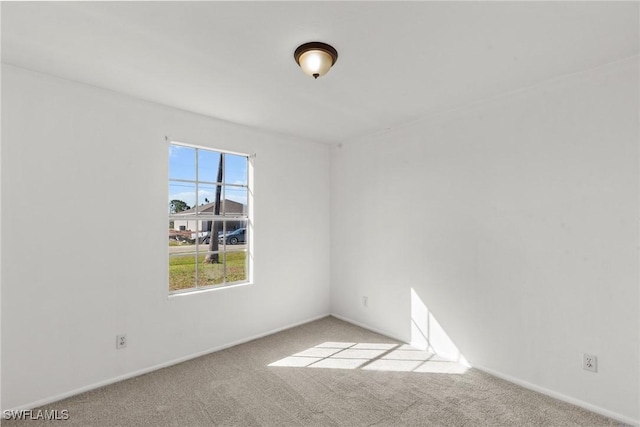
pixel 525 384
pixel 560 396
pixel 143 371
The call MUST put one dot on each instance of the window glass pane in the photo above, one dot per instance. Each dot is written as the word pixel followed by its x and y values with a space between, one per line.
pixel 178 238
pixel 181 242
pixel 236 266
pixel 182 271
pixel 236 234
pixel 210 269
pixel 203 235
pixel 221 228
pixel 208 164
pixel 182 162
pixel 235 201
pixel 207 198
pixel 182 197
pixel 235 169
pixel 207 229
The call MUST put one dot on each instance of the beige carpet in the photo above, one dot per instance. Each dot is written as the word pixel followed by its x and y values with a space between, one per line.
pixel 324 373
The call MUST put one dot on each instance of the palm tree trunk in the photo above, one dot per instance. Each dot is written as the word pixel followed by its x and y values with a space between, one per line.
pixel 217 225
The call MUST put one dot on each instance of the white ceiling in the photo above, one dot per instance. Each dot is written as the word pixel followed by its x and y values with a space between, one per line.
pixel 398 61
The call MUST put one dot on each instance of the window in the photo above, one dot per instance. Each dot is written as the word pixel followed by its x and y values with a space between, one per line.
pixel 209 225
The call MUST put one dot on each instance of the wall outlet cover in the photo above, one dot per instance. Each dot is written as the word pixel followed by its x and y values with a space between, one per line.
pixel 589 362
pixel 121 341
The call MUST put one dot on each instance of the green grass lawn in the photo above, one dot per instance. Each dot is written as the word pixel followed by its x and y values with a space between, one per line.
pixel 182 270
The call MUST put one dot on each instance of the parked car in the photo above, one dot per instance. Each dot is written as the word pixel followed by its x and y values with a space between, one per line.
pixel 234 237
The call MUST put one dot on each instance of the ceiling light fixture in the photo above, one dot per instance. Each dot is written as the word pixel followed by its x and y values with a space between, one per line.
pixel 315 58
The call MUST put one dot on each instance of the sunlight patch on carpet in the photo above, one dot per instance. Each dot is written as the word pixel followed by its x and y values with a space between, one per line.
pixel 372 357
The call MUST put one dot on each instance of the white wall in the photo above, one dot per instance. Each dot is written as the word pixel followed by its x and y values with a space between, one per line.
pixel 515 222
pixel 80 161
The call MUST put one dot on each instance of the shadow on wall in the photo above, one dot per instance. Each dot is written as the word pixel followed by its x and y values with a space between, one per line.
pixel 427 334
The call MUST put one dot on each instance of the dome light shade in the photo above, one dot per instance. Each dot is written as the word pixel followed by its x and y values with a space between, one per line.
pixel 315 58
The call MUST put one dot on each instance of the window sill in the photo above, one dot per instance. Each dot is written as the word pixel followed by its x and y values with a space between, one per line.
pixel 207 289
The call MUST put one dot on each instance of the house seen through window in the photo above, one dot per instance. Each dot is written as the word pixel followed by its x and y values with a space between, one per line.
pixel 208 218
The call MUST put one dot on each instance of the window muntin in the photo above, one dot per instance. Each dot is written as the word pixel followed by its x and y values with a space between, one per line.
pixel 208 241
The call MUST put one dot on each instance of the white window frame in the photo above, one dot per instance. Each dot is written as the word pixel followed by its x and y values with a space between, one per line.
pixel 205 216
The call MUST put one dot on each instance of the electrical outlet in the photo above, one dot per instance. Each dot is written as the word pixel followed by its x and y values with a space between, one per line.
pixel 121 341
pixel 590 362
pixel 365 301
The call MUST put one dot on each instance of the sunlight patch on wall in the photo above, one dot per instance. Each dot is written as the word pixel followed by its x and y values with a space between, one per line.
pixel 371 357
pixel 426 333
